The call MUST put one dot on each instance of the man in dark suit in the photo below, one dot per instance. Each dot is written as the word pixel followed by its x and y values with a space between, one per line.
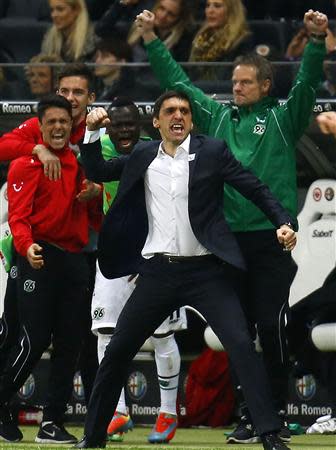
pixel 167 224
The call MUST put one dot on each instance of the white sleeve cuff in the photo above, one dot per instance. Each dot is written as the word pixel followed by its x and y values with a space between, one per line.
pixel 91 136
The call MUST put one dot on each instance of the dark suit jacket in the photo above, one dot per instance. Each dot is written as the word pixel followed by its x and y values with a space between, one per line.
pixel 125 227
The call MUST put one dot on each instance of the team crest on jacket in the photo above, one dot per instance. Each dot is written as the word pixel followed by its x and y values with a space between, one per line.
pixel 259 128
pixel 29 286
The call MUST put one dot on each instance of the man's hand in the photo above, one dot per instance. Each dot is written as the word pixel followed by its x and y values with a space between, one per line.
pixel 287 237
pixel 51 162
pixel 97 118
pixel 315 22
pixel 327 122
pixel 145 24
pixel 34 256
pixel 90 190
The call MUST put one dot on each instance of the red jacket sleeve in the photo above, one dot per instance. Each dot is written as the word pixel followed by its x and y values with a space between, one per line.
pixel 22 181
pixel 20 141
pixel 94 206
pixel 95 212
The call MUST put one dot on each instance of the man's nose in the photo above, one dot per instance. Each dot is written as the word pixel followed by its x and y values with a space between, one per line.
pixel 69 96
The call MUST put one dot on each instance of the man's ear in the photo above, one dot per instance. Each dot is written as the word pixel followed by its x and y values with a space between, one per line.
pixel 192 125
pixel 266 86
pixel 92 98
pixel 156 123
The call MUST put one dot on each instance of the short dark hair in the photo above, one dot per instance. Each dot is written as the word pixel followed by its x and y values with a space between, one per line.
pixel 78 70
pixel 263 66
pixel 117 47
pixel 123 101
pixel 52 101
pixel 165 96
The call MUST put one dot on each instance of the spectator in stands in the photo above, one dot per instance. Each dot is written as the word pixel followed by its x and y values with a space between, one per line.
pixel 223 35
pixel 71 36
pixel 41 79
pixel 173 25
pixel 298 42
pixel 113 79
pixel 327 89
pixel 120 15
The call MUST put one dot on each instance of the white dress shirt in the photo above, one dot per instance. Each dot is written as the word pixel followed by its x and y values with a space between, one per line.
pixel 166 193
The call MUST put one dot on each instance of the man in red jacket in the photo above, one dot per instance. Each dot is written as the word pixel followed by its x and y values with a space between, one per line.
pixel 75 83
pixel 50 224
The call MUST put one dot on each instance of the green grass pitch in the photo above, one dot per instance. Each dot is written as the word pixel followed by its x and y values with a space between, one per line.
pixel 185 439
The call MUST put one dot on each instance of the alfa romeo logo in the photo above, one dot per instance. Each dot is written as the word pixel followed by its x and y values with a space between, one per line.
pixel 137 385
pixel 306 387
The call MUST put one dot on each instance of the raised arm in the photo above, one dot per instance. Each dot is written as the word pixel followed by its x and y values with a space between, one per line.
pixel 96 168
pixel 26 140
pixel 171 75
pixel 296 112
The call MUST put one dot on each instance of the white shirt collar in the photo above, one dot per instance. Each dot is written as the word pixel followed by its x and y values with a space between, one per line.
pixel 184 146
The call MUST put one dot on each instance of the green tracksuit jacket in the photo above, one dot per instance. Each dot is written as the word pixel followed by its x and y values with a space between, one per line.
pixel 263 137
pixel 110 187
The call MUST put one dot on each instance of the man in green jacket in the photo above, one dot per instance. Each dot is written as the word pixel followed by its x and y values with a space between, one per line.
pixel 262 134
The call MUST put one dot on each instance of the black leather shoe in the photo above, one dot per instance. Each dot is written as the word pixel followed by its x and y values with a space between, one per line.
pixel 85 443
pixel 273 442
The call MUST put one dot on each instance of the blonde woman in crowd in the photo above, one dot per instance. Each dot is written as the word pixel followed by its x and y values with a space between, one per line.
pixel 71 36
pixel 223 35
pixel 173 25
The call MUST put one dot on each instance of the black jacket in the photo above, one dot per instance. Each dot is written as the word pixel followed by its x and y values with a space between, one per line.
pixel 125 226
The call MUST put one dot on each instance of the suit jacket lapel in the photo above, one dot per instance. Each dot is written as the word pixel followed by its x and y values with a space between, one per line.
pixel 195 148
pixel 139 165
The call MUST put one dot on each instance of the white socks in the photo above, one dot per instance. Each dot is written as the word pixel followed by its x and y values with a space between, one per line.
pixel 168 363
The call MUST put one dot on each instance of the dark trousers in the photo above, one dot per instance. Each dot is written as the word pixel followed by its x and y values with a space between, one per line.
pixel 9 323
pixel 264 290
pixel 88 359
pixel 163 287
pixel 316 308
pixel 50 305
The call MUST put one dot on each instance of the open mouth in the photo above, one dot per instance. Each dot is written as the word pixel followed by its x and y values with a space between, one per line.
pixel 58 138
pixel 125 143
pixel 177 129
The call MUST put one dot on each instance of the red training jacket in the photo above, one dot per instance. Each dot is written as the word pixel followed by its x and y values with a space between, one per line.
pixel 40 209
pixel 22 140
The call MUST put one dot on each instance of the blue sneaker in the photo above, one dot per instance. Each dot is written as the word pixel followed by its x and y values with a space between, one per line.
pixel 164 429
pixel 120 423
